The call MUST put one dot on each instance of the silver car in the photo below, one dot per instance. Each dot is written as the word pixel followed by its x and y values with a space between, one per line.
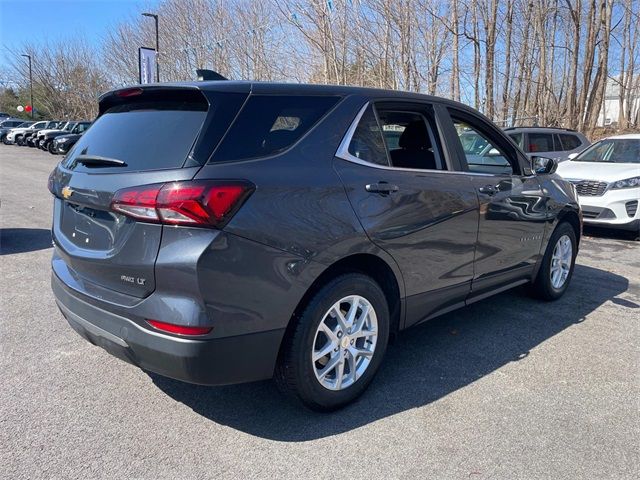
pixel 556 143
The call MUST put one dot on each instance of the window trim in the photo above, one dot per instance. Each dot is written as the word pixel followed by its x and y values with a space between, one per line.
pixel 343 148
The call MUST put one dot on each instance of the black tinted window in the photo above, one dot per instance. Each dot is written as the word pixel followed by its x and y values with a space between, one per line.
pixel 145 135
pixel 367 143
pixel 269 124
pixel 569 142
pixel 540 142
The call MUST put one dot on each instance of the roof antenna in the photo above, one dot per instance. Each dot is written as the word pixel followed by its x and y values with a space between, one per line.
pixel 204 75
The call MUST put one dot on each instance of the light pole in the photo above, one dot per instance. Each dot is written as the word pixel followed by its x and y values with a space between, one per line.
pixel 155 17
pixel 30 82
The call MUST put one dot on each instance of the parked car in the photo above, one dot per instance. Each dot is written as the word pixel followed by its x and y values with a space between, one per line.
pixel 29 138
pixel 61 126
pixel 72 128
pixel 557 143
pixel 15 135
pixel 607 178
pixel 277 235
pixel 7 125
pixel 62 144
pixel 4 115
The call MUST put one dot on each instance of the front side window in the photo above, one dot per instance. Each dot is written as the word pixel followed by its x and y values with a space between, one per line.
pixel 540 142
pixel 613 150
pixel 482 154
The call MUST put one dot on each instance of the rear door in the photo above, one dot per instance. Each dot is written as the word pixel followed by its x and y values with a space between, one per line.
pixel 161 135
pixel 402 185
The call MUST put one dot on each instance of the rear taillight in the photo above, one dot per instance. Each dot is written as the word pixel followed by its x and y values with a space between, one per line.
pixel 197 203
pixel 179 329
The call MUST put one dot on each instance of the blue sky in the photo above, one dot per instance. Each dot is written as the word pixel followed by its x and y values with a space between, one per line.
pixel 41 20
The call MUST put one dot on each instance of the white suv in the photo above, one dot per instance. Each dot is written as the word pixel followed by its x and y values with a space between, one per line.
pixel 607 178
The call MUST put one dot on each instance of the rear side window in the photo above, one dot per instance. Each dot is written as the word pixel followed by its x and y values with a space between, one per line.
pixel 146 135
pixel 367 143
pixel 569 142
pixel 540 142
pixel 269 124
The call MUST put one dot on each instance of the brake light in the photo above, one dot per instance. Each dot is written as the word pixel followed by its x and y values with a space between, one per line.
pixel 129 92
pixel 179 329
pixel 196 203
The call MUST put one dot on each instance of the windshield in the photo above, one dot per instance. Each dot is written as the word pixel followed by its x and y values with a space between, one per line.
pixel 613 150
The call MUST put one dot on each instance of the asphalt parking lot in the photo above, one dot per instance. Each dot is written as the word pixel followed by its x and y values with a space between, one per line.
pixel 508 388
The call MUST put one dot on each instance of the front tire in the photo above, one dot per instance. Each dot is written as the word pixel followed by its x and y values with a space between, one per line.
pixel 336 346
pixel 18 140
pixel 558 264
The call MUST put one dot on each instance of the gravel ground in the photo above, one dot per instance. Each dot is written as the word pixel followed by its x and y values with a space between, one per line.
pixel 508 388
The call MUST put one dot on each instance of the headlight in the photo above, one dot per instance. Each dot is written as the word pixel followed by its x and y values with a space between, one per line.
pixel 62 140
pixel 627 183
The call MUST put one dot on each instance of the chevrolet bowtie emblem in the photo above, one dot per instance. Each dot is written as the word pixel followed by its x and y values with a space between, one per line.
pixel 67 192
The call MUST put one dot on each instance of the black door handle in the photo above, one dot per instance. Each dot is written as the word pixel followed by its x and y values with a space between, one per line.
pixel 488 190
pixel 381 187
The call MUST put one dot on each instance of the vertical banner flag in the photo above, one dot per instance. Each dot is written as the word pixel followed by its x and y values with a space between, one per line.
pixel 146 64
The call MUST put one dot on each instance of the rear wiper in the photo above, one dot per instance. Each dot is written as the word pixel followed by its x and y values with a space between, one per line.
pixel 97 161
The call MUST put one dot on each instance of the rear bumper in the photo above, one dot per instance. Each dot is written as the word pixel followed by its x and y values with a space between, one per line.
pixel 216 361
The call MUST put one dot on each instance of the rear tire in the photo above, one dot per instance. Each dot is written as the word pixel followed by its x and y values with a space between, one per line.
pixel 50 148
pixel 304 373
pixel 557 265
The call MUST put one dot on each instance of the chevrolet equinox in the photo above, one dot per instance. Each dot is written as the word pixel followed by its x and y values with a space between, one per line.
pixel 224 232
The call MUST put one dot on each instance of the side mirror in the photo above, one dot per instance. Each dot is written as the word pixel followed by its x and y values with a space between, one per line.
pixel 572 156
pixel 543 165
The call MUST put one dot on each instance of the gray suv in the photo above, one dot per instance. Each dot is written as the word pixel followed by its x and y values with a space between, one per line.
pixel 557 143
pixel 224 232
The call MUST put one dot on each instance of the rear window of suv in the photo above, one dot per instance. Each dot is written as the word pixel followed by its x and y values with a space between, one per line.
pixel 146 135
pixel 269 124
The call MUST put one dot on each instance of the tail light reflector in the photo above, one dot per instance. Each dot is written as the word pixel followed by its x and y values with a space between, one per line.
pixel 196 203
pixel 179 329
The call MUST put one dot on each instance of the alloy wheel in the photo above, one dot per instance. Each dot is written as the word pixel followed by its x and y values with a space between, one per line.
pixel 345 342
pixel 561 262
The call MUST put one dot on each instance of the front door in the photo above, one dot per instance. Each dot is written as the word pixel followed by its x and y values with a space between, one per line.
pixel 401 184
pixel 513 207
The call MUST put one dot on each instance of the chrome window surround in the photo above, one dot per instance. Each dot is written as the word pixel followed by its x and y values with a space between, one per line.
pixel 343 153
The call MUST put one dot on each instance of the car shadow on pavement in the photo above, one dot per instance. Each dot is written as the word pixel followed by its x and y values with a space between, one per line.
pixel 612 233
pixel 423 365
pixel 22 240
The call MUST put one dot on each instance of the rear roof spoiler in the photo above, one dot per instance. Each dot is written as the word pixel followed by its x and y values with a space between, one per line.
pixel 204 75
